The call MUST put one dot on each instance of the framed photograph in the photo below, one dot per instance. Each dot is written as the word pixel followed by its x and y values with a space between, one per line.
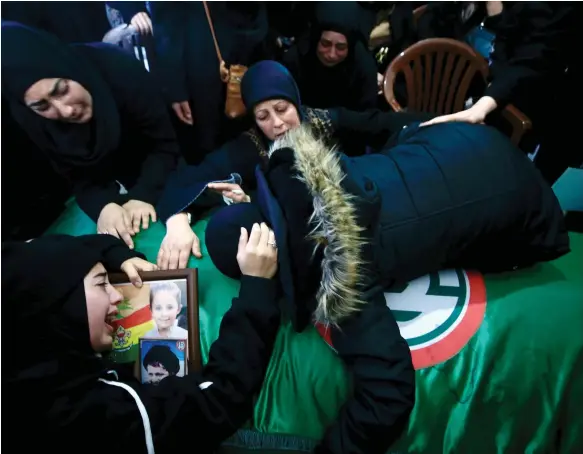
pixel 161 358
pixel 165 307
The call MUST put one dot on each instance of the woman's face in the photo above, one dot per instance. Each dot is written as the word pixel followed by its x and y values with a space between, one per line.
pixel 332 48
pixel 275 117
pixel 165 309
pixel 60 99
pixel 102 300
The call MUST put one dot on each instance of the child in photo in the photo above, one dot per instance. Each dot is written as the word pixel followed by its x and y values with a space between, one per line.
pixel 166 304
pixel 160 362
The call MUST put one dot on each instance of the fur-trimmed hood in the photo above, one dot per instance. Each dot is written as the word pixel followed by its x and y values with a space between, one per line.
pixel 333 223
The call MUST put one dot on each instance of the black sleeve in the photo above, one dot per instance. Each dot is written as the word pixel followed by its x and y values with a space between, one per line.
pixel 93 194
pixel 114 250
pixel 148 110
pixel 291 60
pixel 367 80
pixel 234 374
pixel 538 50
pixel 188 182
pixel 128 9
pixel 379 361
pixel 169 20
pixel 372 127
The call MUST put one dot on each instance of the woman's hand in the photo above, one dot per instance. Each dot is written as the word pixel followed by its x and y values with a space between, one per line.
pixel 182 111
pixel 465 116
pixel 257 253
pixel 115 220
pixel 380 81
pixel 178 243
pixel 143 23
pixel 132 267
pixel 475 114
pixel 140 212
pixel 231 191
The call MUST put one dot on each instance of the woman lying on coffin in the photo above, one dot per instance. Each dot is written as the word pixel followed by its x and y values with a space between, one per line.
pixel 94 111
pixel 449 195
pixel 57 287
pixel 272 98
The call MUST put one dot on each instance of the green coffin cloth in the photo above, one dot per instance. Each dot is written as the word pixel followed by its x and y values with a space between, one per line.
pixel 499 359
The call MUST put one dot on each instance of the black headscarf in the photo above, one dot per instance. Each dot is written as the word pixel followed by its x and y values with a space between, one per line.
pixel 30 55
pixel 50 362
pixel 267 80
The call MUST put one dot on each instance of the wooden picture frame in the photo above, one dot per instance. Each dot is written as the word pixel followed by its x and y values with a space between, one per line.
pixel 188 280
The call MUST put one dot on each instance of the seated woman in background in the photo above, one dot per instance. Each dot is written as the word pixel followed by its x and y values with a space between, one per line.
pixel 332 65
pixel 272 97
pixel 102 123
pixel 57 289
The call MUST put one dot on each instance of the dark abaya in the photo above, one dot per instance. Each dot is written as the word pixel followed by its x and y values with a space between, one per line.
pixel 72 400
pixel 71 22
pixel 129 139
pixel 188 66
pixel 351 83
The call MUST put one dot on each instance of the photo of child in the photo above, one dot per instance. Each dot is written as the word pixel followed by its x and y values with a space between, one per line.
pixel 161 358
pixel 168 307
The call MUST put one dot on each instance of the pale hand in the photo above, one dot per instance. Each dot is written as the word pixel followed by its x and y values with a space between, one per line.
pixel 140 212
pixel 115 220
pixel 133 266
pixel 257 255
pixel 471 115
pixel 380 80
pixel 143 23
pixel 180 241
pixel 182 111
pixel 231 191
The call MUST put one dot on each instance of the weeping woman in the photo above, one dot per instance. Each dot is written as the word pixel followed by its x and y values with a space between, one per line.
pixel 95 113
pixel 273 101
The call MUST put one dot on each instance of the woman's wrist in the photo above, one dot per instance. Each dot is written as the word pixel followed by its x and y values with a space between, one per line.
pixel 485 105
pixel 178 219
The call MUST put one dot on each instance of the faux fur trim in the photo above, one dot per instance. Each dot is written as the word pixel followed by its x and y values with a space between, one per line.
pixel 334 222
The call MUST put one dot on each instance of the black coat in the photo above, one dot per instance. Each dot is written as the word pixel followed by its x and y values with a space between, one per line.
pixel 454 195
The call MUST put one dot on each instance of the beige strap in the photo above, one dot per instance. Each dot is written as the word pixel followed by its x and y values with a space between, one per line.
pixel 208 16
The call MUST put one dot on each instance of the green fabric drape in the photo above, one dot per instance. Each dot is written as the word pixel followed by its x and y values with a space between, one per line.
pixel 515 387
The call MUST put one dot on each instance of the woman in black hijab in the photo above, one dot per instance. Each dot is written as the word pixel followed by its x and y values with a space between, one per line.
pixel 58 298
pixel 273 101
pixel 93 111
pixel 332 66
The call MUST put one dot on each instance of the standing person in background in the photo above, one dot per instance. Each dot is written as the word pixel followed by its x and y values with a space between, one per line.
pixel 71 22
pixel 188 65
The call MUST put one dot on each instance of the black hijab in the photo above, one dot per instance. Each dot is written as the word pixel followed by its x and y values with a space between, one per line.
pixel 49 361
pixel 30 55
pixel 328 87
